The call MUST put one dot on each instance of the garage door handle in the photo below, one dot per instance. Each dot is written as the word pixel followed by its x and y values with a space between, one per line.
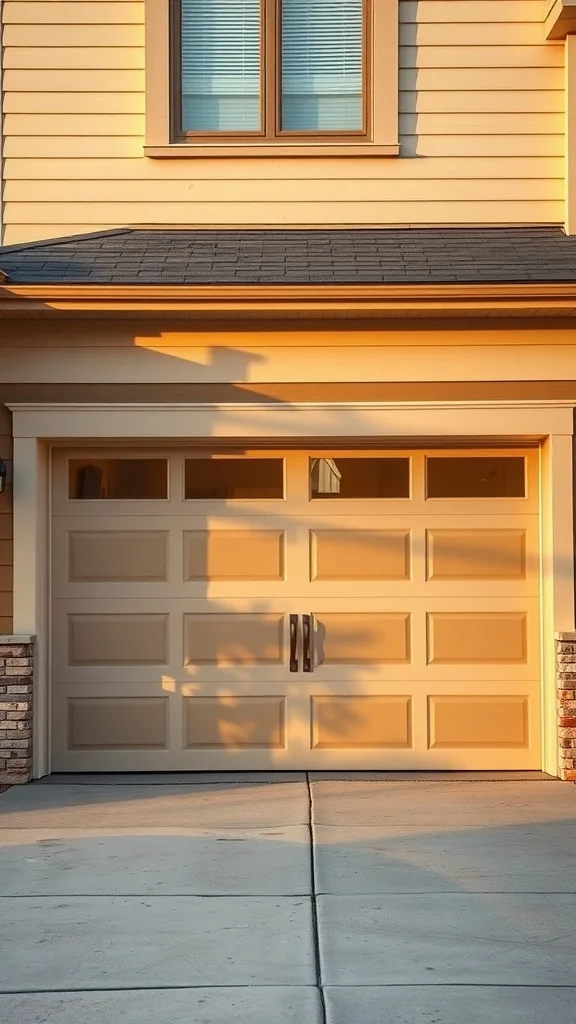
pixel 293 643
pixel 307 643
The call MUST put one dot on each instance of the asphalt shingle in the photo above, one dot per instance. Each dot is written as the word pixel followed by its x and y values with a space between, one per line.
pixel 293 256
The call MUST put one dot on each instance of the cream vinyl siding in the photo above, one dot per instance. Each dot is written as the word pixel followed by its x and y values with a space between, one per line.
pixel 481 108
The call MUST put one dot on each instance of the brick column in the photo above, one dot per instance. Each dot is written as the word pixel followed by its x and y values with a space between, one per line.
pixel 16 673
pixel 566 681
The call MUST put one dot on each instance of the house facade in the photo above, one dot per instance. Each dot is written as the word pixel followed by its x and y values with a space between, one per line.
pixel 288 378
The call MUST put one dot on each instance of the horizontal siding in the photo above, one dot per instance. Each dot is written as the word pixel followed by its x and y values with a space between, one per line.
pixel 140 194
pixel 412 355
pixel 135 170
pixel 123 12
pixel 481 123
pixel 505 211
pixel 130 147
pixel 89 12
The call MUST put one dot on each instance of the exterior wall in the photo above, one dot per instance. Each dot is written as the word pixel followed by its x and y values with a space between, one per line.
pixel 16 672
pixel 566 656
pixel 481 125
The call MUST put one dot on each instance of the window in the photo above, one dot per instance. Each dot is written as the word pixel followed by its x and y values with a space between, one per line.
pixel 220 478
pixel 476 477
pixel 270 67
pixel 240 77
pixel 359 478
pixel 117 479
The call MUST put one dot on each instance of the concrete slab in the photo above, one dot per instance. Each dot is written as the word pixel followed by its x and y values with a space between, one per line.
pixel 184 1006
pixel 427 859
pixel 442 803
pixel 448 938
pixel 151 942
pixel 226 806
pixel 431 777
pixel 162 862
pixel 440 1004
pixel 168 778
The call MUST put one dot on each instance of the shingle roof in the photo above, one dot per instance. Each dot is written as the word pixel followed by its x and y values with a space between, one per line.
pixel 296 256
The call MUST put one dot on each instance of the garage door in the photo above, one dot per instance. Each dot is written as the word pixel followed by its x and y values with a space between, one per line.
pixel 323 609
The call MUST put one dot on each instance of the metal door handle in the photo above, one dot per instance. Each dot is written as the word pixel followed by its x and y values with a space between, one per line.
pixel 293 643
pixel 307 643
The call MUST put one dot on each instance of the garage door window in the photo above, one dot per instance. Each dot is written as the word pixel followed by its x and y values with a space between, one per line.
pixel 462 477
pixel 117 479
pixel 215 478
pixel 359 478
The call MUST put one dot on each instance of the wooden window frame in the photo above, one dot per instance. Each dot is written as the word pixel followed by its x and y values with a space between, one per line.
pixel 378 136
pixel 270 83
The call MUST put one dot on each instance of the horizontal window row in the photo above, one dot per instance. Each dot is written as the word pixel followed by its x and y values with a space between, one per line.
pixel 216 479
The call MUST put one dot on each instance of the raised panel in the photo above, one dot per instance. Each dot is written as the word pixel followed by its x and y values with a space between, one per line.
pixel 476 554
pixel 477 721
pixel 234 722
pixel 476 637
pixel 117 723
pixel 360 554
pixel 233 555
pixel 233 639
pixel 362 638
pixel 118 556
pixel 122 639
pixel 361 721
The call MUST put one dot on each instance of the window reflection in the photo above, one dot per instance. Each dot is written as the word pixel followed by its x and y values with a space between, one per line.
pixel 360 478
pixel 116 479
pixel 233 478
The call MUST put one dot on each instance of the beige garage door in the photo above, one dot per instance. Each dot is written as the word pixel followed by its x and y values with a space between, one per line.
pixel 329 609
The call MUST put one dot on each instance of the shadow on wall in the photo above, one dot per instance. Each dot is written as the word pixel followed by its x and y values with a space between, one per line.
pixel 213 373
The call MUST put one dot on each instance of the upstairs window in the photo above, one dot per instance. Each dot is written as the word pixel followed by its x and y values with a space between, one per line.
pixel 270 69
pixel 269 77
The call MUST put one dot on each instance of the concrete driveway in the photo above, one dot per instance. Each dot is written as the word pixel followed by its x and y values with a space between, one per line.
pixel 288 899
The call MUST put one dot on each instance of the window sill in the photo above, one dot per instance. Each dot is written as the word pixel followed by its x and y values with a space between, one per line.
pixel 276 149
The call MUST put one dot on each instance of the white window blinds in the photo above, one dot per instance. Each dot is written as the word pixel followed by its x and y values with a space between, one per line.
pixel 322 65
pixel 221 65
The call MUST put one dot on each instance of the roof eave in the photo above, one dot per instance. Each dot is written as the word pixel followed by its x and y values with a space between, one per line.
pixel 95 298
pixel 560 20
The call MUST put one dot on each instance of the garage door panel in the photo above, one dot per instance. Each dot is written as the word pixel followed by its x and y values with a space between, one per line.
pixel 235 722
pixel 476 554
pixel 236 638
pixel 360 638
pixel 477 638
pixel 117 639
pixel 118 556
pixel 360 721
pixel 478 721
pixel 222 555
pixel 117 723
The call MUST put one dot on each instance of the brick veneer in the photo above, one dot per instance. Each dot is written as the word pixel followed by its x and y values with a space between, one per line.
pixel 16 671
pixel 566 680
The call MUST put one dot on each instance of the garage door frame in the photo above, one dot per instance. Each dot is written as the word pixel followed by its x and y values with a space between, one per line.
pixel 39 427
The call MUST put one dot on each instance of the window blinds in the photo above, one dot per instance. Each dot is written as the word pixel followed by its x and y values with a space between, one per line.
pixel 321 65
pixel 221 65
